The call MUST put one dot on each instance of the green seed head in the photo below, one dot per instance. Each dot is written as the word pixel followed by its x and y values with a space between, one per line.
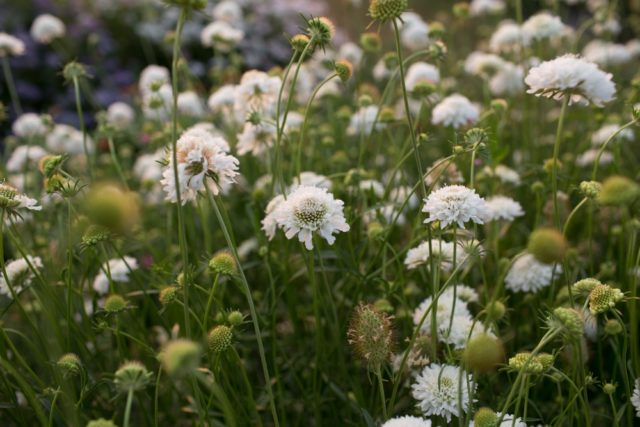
pixel 70 364
pixel 180 357
pixel 344 69
pixel 585 286
pixel 115 303
pixel 220 338
pixel 371 42
pixel 496 310
pixel 613 327
pixel 568 321
pixel 223 263
pixel 101 422
pixel 603 298
pixel 132 376
pixel 618 190
pixel 385 10
pixel 483 353
pixel 235 318
pixel 485 417
pixel 590 189
pixel 168 295
pixel 526 363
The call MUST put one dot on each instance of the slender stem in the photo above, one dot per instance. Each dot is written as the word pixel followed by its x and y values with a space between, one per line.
pixel 182 238
pixel 405 97
pixel 116 163
pixel 572 214
pixel 127 411
pixel 212 291
pixel 383 400
pixel 85 147
pixel 252 308
pixel 596 163
pixel 15 100
pixel 554 167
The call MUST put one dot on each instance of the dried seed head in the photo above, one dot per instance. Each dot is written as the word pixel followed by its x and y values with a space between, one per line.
pixel 371 335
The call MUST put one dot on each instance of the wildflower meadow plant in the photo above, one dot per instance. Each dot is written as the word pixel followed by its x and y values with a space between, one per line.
pixel 382 213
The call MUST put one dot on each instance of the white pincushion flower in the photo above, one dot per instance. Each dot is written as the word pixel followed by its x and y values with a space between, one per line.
pixel 270 223
pixel 414 32
pixel 635 398
pixel 420 255
pixel 157 105
pixel 29 125
pixel 118 269
pixel 147 167
pixel 601 136
pixel 407 421
pixel 449 307
pixel 120 115
pixel 199 156
pixel 440 388
pixel 222 100
pixel 10 45
pixel 421 72
pixel 529 275
pixel 12 200
pixel 221 36
pixel 256 138
pixel 364 121
pixel 570 75
pixel 46 28
pixel 312 179
pixel 67 139
pixel 486 7
pixel 589 157
pixel 20 275
pixel 505 174
pixel 455 204
pixel 228 11
pixel 189 104
pixel 507 38
pixel 398 196
pixel 308 210
pixel 152 78
pixel 543 26
pixel 257 91
pixel 503 208
pixel 351 52
pixel 606 54
pixel 509 80
pixel 482 64
pixel 456 111
pixel 24 155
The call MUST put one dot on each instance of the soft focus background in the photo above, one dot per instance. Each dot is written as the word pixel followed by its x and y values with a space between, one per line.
pixel 122 36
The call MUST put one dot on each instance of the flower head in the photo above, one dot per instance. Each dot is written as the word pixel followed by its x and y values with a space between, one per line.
pixel 529 275
pixel 455 111
pixel 46 28
pixel 19 274
pixel 438 390
pixel 10 45
pixel 503 208
pixel 407 421
pixel 311 209
pixel 221 36
pixel 455 204
pixel 571 76
pixel 12 201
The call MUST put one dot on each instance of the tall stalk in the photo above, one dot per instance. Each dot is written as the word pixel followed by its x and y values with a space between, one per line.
pixel 83 129
pixel 182 238
pixel 554 167
pixel 11 85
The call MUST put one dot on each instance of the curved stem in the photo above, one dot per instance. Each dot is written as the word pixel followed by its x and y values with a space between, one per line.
pixel 596 163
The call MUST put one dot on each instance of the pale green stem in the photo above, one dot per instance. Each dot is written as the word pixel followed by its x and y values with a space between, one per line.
pixel 8 76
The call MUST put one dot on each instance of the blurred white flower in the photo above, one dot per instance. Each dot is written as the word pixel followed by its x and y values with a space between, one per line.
pixel 486 7
pixel 46 28
pixel 606 54
pixel 455 111
pixel 152 78
pixel 10 45
pixel 543 26
pixel 120 115
pixel 256 138
pixel 508 38
pixel 118 269
pixel 29 125
pixel 503 208
pixel 421 72
pixel 221 36
pixel 529 275
pixel 23 156
pixel 407 421
pixel 364 121
pixel 19 274
pixel 190 104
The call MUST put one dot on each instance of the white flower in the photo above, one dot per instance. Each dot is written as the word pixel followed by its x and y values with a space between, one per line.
pixel 24 155
pixel 505 174
pixel 633 47
pixel 509 80
pixel 507 421
pixel 635 398
pixel 572 75
pixel 222 100
pixel 459 331
pixel 67 139
pixel 351 52
pixel 601 136
pixel 486 7
pixel 455 204
pixel 543 26
pixel 228 11
pixel 189 104
pixel 256 138
pixel 119 270
pixel 363 120
pixel 398 196
pixel 529 275
pixel 46 28
pixel 29 125
pixel 20 275
pixel 147 167
pixel 606 54
pixel 456 111
pixel 502 207
pixel 270 223
pixel 440 388
pixel 221 36
pixel 153 77
pixel 312 179
pixel 507 38
pixel 482 64
pixel 421 72
pixel 158 105
pixel 589 157
pixel 199 156
pixel 10 45
pixel 257 91
pixel 12 200
pixel 120 115
pixel 407 421
pixel 443 252
pixel 311 209
pixel 414 32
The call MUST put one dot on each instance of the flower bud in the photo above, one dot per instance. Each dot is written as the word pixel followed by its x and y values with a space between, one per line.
pixel 548 245
pixel 114 303
pixel 370 42
pixel 613 327
pixel 168 295
pixel 495 310
pixel 223 263
pixel 299 42
pixel 483 353
pixel 344 69
pixel 70 364
pixel 235 318
pixel 485 417
pixel 609 388
pixel 101 422
pixel 590 189
pixel 585 286
pixel 568 321
pixel 526 363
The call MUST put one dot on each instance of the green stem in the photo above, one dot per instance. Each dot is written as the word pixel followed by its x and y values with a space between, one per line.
pixel 182 238
pixel 252 308
pixel 596 163
pixel 383 400
pixel 8 76
pixel 85 147
pixel 212 291
pixel 116 163
pixel 556 152
pixel 127 411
